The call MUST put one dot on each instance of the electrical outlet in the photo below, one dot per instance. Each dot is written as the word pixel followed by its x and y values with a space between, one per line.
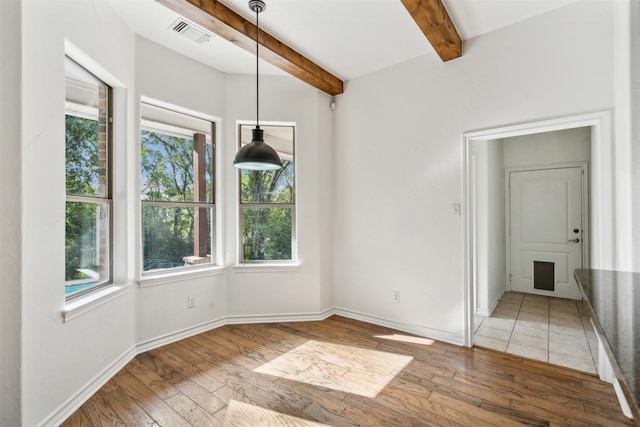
pixel 396 296
pixel 191 302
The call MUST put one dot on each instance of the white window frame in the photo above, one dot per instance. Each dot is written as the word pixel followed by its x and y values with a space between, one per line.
pixel 255 265
pixel 83 111
pixel 170 275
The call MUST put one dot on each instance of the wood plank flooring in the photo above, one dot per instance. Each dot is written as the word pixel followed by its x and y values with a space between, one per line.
pixel 342 372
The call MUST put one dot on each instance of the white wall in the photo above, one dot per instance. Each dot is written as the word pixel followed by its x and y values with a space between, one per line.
pixel 324 174
pixel 283 291
pixel 398 156
pixel 495 223
pixel 10 221
pixel 623 153
pixel 490 238
pixel 635 129
pixel 60 359
pixel 169 77
pixel 564 146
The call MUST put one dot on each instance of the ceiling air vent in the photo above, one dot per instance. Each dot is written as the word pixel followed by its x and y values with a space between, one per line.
pixel 190 31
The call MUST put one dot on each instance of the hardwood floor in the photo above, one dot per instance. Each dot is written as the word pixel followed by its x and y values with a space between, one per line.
pixel 341 372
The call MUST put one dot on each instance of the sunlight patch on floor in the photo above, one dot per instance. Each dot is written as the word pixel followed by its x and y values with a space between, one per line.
pixel 241 414
pixel 338 367
pixel 407 338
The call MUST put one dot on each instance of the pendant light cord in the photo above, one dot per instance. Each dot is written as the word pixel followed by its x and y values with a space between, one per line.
pixel 257 70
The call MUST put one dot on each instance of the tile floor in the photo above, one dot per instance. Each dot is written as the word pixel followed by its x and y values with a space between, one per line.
pixel 549 329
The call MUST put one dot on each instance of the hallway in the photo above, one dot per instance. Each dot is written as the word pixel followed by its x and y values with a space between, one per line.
pixel 548 329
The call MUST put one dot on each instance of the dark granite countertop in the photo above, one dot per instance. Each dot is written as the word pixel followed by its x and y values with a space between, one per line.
pixel 614 299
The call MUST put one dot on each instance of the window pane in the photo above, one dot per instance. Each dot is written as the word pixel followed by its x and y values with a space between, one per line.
pixel 270 186
pixel 82 168
pixel 177 156
pixel 175 237
pixel 172 166
pixel 86 245
pixel 86 132
pixel 266 234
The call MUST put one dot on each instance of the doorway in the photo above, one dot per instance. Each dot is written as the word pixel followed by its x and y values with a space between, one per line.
pixel 547 225
pixel 475 224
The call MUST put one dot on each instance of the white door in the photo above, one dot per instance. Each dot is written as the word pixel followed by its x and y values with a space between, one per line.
pixel 545 231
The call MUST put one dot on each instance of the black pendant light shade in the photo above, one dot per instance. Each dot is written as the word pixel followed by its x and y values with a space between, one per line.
pixel 257 155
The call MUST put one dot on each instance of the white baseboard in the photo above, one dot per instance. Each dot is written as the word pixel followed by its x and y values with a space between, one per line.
pixel 622 399
pixel 483 312
pixel 607 373
pixel 275 318
pixel 229 320
pixel 179 335
pixel 76 401
pixel 434 334
pixel 488 312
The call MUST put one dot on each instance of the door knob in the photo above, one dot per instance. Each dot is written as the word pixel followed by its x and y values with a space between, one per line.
pixel 574 240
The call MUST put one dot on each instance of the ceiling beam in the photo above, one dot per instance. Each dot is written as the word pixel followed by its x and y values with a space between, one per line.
pixel 434 21
pixel 219 19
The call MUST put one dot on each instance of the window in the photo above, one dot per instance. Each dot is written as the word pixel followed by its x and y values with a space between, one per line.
pixel 267 201
pixel 88 181
pixel 177 190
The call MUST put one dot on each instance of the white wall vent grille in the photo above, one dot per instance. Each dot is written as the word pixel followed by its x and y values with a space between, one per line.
pixel 190 31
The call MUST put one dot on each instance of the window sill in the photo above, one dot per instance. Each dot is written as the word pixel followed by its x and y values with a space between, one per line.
pixel 266 268
pixel 82 305
pixel 168 278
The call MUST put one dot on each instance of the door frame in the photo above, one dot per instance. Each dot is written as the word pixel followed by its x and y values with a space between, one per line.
pixel 601 194
pixel 584 209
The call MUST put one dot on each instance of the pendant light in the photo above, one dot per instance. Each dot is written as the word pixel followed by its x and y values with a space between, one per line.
pixel 257 155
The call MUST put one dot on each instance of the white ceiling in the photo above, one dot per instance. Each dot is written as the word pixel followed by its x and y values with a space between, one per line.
pixel 348 38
